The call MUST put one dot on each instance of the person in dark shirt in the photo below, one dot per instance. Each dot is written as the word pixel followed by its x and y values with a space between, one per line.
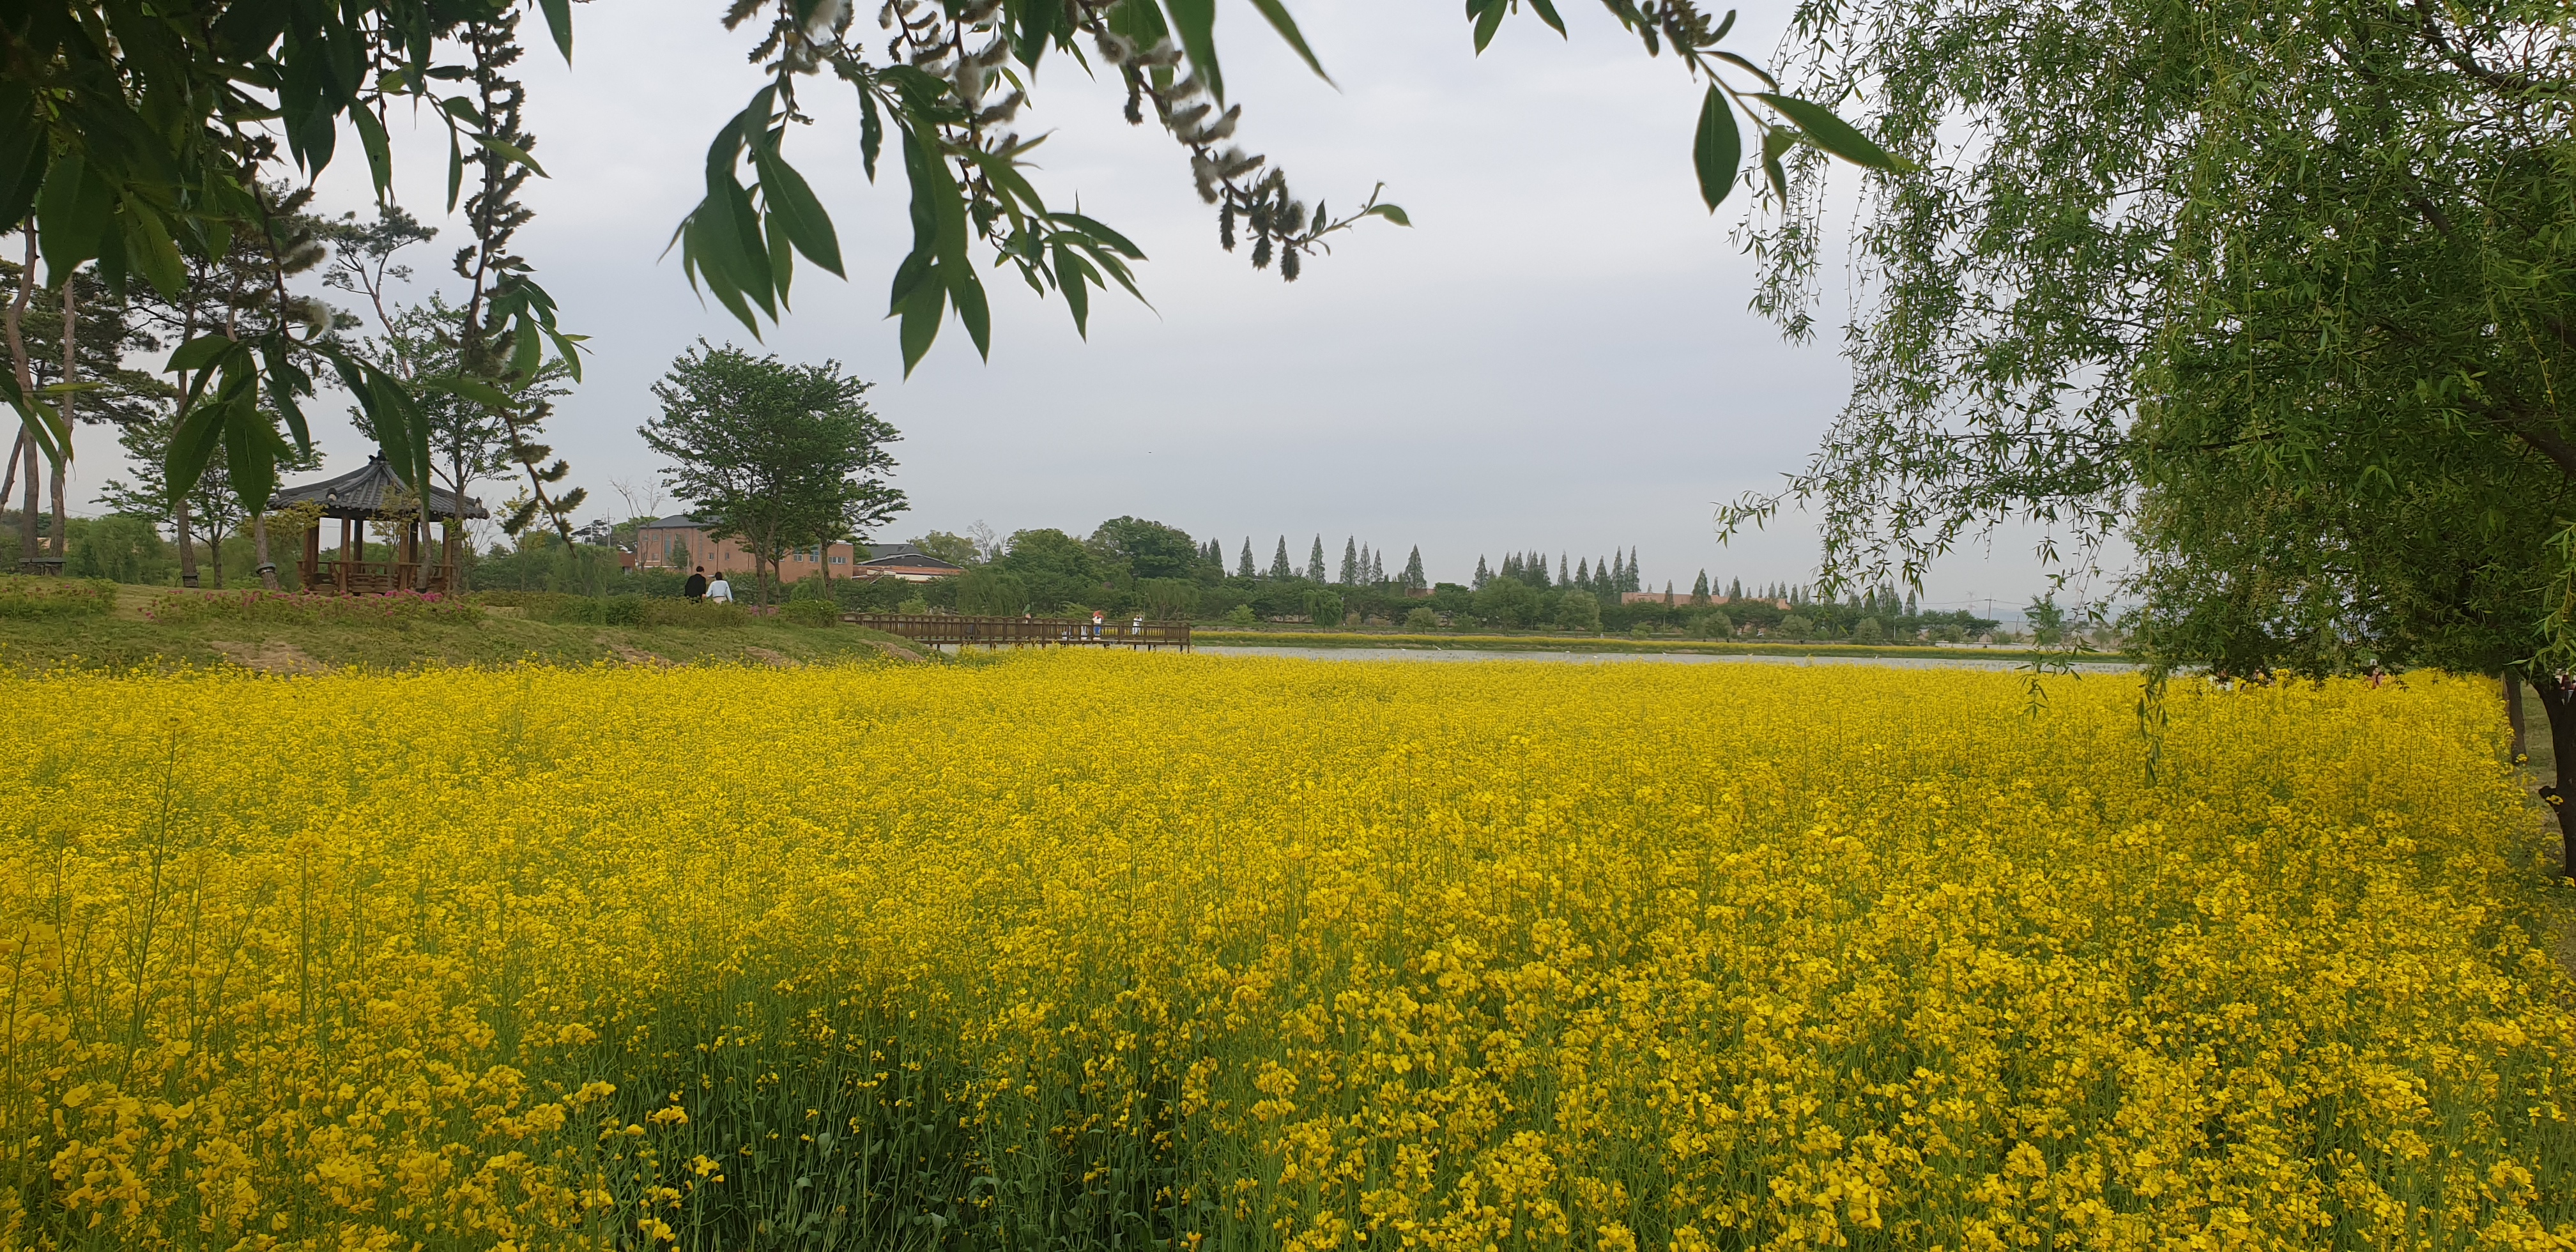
pixel 696 587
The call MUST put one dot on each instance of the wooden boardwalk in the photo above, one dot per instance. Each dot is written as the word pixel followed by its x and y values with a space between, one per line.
pixel 1026 632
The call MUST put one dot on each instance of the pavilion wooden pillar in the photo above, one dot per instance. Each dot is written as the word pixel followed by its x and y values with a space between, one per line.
pixel 312 556
pixel 347 537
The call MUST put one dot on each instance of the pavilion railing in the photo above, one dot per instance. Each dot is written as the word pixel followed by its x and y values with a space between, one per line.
pixel 370 577
pixel 1018 632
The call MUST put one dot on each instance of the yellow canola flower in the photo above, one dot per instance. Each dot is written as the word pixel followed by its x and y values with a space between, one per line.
pixel 1099 951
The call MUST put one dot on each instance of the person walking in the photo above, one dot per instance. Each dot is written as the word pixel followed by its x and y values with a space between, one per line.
pixel 696 588
pixel 720 591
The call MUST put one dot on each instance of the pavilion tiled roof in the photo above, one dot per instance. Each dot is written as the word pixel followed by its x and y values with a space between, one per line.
pixel 362 493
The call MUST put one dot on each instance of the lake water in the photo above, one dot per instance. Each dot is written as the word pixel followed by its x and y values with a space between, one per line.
pixel 1667 658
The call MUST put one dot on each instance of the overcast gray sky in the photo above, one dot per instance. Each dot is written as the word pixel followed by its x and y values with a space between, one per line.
pixel 1556 356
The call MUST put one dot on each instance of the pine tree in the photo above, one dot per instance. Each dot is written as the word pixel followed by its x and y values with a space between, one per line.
pixel 1315 561
pixel 1631 581
pixel 1735 590
pixel 1561 579
pixel 1699 590
pixel 1512 566
pixel 1279 562
pixel 1668 593
pixel 1245 570
pixel 1583 575
pixel 1350 559
pixel 1482 572
pixel 1413 579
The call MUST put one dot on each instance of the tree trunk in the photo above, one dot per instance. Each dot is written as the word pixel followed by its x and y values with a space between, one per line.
pixel 259 544
pixel 62 523
pixel 2561 703
pixel 9 482
pixel 215 555
pixel 27 538
pixel 71 374
pixel 2513 714
pixel 25 457
pixel 187 544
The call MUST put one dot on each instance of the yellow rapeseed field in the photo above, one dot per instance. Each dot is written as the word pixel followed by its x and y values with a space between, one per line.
pixel 1177 952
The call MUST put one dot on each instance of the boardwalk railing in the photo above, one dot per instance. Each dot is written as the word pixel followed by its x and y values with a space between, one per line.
pixel 1019 632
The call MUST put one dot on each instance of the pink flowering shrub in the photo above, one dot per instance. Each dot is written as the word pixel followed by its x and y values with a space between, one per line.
pixel 22 596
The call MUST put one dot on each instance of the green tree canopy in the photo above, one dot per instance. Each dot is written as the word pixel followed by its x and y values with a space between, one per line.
pixel 775 455
pixel 2285 287
pixel 1056 568
pixel 1148 549
pixel 1506 600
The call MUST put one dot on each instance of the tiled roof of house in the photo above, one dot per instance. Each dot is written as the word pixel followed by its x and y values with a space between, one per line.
pixel 905 555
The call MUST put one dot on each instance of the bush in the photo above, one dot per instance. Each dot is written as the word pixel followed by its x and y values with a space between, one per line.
pixel 25 597
pixel 119 547
pixel 599 611
pixel 703 613
pixel 1796 627
pixel 1323 608
pixel 1422 618
pixel 1241 617
pixel 1578 610
pixel 1869 631
pixel 536 603
pixel 391 608
pixel 1505 601
pixel 1713 625
pixel 811 612
pixel 989 592
pixel 1168 599
pixel 663 583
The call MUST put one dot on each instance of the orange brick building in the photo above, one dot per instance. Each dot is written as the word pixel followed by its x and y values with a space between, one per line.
pixel 681 542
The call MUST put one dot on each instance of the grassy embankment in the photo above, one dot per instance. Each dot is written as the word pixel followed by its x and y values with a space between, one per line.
pixel 59 623
pixel 1546 642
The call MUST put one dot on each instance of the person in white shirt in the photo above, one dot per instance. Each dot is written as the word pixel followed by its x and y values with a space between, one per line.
pixel 720 591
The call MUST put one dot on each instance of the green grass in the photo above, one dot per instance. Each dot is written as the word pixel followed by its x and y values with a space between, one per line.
pixel 210 633
pixel 1601 643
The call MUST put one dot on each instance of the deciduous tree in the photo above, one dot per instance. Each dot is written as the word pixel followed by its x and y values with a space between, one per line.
pixel 2286 287
pixel 772 454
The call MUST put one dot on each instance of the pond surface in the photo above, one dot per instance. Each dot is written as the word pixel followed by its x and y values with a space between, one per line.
pixel 1668 658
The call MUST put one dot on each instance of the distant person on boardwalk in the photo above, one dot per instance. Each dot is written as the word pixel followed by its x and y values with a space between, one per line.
pixel 1095 623
pixel 720 591
pixel 696 587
